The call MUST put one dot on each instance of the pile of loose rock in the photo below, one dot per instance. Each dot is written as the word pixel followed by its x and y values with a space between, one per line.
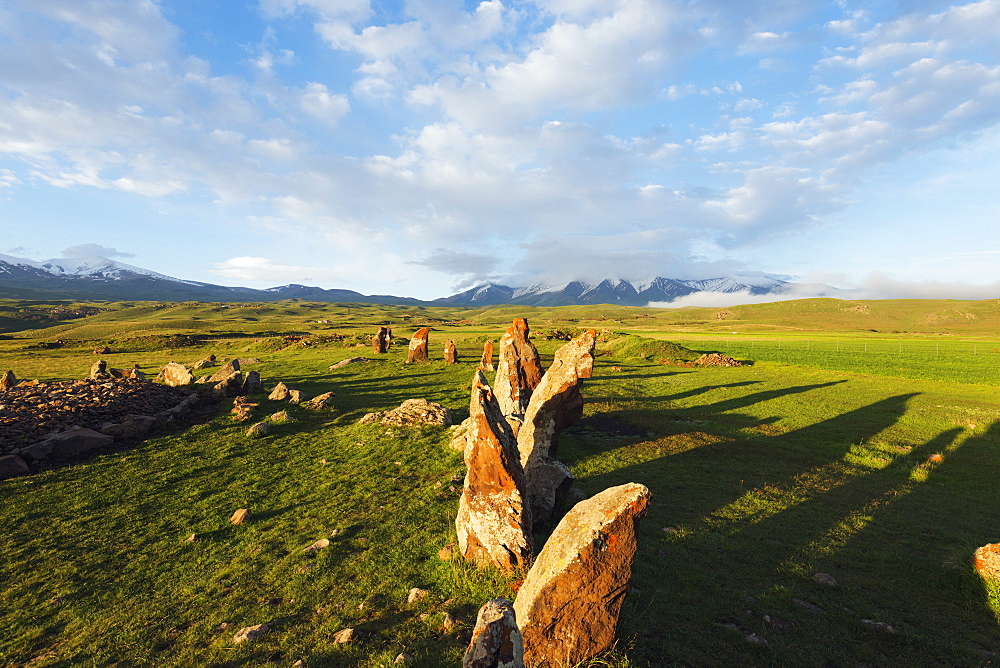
pixel 717 359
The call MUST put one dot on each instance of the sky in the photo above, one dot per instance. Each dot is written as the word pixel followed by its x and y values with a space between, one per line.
pixel 421 147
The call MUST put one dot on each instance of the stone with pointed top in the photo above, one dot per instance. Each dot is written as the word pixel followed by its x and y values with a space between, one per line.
pixel 279 393
pixel 486 362
pixel 7 381
pixel 519 370
pixel 496 640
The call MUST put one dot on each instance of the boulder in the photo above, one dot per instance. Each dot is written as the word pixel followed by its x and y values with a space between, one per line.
pixel 250 633
pixel 519 369
pixel 252 384
pixel 986 560
pixel 258 430
pixel 280 393
pixel 241 516
pixel 494 522
pixel 228 386
pixel 324 400
pixel 130 427
pixel 411 412
pixel 226 371
pixel 382 340
pixel 175 375
pixel 568 607
pixel 296 396
pixel 204 363
pixel 450 353
pixel 12 466
pixel 496 640
pixel 7 381
pixel 417 351
pixel 102 350
pixel 486 361
pixel 78 441
pixel 99 370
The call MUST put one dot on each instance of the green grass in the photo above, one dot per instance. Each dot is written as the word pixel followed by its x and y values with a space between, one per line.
pixel 761 476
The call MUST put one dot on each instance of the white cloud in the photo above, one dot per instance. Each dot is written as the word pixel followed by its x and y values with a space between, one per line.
pixel 94 250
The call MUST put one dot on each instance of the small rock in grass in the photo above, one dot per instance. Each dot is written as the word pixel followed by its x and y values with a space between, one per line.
pixel 250 633
pixel 986 561
pixel 296 396
pixel 343 636
pixel 416 594
pixel 777 623
pixel 806 605
pixel 879 626
pixel 241 516
pixel 404 658
pixel 259 429
pixel 281 417
pixel 450 621
pixel 192 538
pixel 318 545
pixel 824 579
pixel 444 554
pixel 756 639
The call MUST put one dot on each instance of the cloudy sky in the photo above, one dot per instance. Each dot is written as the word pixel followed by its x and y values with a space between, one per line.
pixel 417 147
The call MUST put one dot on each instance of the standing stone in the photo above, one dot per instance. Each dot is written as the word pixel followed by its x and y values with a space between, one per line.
pixel 519 370
pixel 450 353
pixel 8 381
pixel 496 640
pixel 252 384
pixel 382 341
pixel 99 370
pixel 418 345
pixel 175 375
pixel 554 402
pixel 486 362
pixel 224 372
pixel 568 607
pixel 494 522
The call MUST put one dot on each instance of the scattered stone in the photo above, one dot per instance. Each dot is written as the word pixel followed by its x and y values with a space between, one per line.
pixel 496 640
pixel 318 545
pixel 381 341
pixel 986 561
pixel 824 579
pixel 280 393
pixel 411 412
pixel 777 623
pixel 228 386
pixel 344 363
pixel 416 595
pixel 343 636
pixel 449 622
pixel 806 605
pixel 102 350
pixel 204 363
pixel 519 370
pixel 459 435
pixel 250 633
pixel 243 408
pixel 568 607
pixel 99 370
pixel 13 466
pixel 296 396
pixel 252 384
pixel 879 626
pixel 281 417
pixel 192 538
pixel 417 351
pixel 450 352
pixel 717 359
pixel 8 381
pixel 258 429
pixel 175 375
pixel 228 369
pixel 444 554
pixel 756 639
pixel 494 522
pixel 324 400
pixel 486 361
pixel 241 516
pixel 404 659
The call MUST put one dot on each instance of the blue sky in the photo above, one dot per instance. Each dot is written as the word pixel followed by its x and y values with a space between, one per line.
pixel 418 147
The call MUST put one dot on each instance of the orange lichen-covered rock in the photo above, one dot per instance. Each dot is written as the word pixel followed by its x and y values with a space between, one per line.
pixel 417 351
pixel 450 352
pixel 486 362
pixel 496 640
pixel 987 561
pixel 568 607
pixel 494 522
pixel 519 369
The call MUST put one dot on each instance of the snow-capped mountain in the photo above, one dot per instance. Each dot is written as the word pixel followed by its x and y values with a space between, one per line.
pixel 611 291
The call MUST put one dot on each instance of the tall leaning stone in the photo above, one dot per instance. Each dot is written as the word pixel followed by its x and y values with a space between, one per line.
pixel 494 521
pixel 450 352
pixel 381 341
pixel 568 607
pixel 519 369
pixel 417 351
pixel 496 641
pixel 555 401
pixel 486 362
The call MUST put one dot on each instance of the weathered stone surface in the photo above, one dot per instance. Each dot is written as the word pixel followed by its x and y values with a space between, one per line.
pixel 416 594
pixel 417 351
pixel 229 386
pixel 494 521
pixel 39 450
pixel 132 426
pixel 250 633
pixel 568 607
pixel 7 381
pixel 281 417
pixel 259 429
pixel 241 516
pixel 519 369
pixel 486 361
pixel 382 340
pixel 280 393
pixel 343 363
pixel 99 370
pixel 12 466
pixel 342 636
pixel 450 352
pixel 986 560
pixel 460 435
pixel 324 400
pixel 296 396
pixel 102 350
pixel 555 402
pixel 78 441
pixel 411 412
pixel 252 384
pixel 204 363
pixel 175 375
pixel 225 371
pixel 496 640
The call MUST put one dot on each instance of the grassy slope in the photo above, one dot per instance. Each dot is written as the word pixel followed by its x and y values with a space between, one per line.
pixel 763 474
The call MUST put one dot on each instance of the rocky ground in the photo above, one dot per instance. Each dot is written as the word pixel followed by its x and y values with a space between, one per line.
pixel 29 412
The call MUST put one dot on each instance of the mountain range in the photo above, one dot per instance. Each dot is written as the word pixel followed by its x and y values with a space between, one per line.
pixel 103 279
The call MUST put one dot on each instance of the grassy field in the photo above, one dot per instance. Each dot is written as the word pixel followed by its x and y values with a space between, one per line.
pixel 816 458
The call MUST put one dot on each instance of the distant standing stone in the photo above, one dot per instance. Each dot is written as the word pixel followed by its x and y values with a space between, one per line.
pixel 496 640
pixel 417 351
pixel 241 516
pixel 486 362
pixel 99 370
pixel 450 352
pixel 381 341
pixel 519 369
pixel 252 384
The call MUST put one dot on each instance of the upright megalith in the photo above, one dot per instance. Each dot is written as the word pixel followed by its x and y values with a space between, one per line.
pixel 494 521
pixel 450 352
pixel 486 362
pixel 175 375
pixel 418 345
pixel 8 381
pixel 99 370
pixel 555 403
pixel 568 607
pixel 496 640
pixel 381 341
pixel 519 369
